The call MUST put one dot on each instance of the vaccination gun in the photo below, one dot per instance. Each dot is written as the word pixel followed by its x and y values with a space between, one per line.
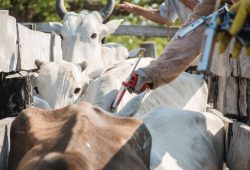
pixel 199 22
pixel 212 27
pixel 220 22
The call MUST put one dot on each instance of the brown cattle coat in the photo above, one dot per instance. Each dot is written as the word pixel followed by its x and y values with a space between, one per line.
pixel 77 137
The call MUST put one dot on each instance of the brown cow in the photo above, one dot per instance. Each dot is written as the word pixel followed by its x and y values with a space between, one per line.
pixel 77 137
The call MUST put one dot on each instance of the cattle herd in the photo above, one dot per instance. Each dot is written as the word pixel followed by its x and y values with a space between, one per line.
pixel 71 126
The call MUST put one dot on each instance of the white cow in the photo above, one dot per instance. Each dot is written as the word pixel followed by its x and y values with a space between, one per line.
pixel 82 34
pixel 184 139
pixel 187 91
pixel 58 83
pixel 103 90
pixel 181 139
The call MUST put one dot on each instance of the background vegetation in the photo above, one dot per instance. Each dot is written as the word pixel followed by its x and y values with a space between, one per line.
pixel 44 11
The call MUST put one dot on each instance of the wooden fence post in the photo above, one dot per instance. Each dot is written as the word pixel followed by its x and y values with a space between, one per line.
pixel 150 49
pixel 239 151
pixel 4 12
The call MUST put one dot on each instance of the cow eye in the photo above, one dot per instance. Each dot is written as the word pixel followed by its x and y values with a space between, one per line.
pixel 77 90
pixel 93 36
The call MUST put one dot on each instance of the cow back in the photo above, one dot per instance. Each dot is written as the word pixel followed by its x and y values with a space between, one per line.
pixel 78 137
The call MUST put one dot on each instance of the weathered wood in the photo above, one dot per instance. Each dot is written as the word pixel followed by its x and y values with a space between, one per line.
pixel 239 151
pixel 36 45
pixel 242 102
pixel 228 123
pixel 220 64
pixel 14 94
pixel 131 30
pixel 4 12
pixel 31 26
pixel 150 49
pixel 8 48
pixel 145 31
pixel 231 96
pixel 223 65
pixel 55 47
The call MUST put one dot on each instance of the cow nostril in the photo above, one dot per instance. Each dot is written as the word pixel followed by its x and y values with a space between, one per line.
pixel 93 36
pixel 77 90
pixel 36 89
pixel 61 36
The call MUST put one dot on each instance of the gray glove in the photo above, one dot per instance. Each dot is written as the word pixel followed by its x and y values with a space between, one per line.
pixel 139 82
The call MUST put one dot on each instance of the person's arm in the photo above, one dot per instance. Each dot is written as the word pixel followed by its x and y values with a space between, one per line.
pixel 151 14
pixel 177 56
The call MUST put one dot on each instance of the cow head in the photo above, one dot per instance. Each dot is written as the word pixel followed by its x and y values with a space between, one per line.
pixel 82 33
pixel 60 83
pixel 78 137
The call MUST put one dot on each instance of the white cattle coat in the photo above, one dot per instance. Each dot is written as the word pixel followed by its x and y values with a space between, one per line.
pixel 185 139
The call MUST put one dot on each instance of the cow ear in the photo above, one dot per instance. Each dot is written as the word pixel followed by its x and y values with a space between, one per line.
pixel 110 27
pixel 40 103
pixel 83 65
pixel 39 63
pixel 50 27
pixel 132 107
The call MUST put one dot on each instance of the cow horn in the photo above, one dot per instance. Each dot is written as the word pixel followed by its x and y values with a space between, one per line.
pixel 108 9
pixel 83 65
pixel 38 63
pixel 60 8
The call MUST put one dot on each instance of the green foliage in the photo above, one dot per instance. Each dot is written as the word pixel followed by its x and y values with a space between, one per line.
pixel 31 10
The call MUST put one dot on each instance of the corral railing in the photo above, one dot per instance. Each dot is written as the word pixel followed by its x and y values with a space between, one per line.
pixel 20 46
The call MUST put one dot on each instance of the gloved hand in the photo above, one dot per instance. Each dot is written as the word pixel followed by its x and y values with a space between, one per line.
pixel 139 82
pixel 242 10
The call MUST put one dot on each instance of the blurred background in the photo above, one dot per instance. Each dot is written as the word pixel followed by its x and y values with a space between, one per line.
pixel 44 11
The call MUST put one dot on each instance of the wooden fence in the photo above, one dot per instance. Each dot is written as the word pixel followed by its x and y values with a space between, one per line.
pixel 20 46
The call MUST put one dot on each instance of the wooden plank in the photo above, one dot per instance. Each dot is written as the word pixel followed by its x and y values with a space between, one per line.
pixel 242 102
pixel 8 48
pixel 227 98
pixel 36 45
pixel 4 12
pixel 228 123
pixel 220 64
pixel 232 97
pixel 239 151
pixel 55 47
pixel 223 65
pixel 145 31
pixel 150 48
pixel 15 94
pixel 131 30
